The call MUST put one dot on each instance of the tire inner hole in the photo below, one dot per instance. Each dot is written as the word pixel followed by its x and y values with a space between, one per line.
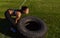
pixel 33 26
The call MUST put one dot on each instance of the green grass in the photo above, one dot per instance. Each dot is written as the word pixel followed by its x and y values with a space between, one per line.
pixel 47 10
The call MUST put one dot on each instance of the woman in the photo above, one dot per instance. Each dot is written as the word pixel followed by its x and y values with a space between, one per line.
pixel 18 13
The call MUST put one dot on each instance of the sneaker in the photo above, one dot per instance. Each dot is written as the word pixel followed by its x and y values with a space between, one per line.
pixel 12 29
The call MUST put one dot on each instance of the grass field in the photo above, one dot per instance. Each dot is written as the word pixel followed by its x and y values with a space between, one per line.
pixel 47 10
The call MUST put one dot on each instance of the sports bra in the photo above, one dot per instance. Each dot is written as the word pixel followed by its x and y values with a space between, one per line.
pixel 19 11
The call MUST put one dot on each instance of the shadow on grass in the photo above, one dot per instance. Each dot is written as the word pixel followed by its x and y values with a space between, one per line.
pixel 5 29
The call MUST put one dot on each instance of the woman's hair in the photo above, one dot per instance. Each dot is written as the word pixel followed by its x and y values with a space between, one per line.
pixel 24 8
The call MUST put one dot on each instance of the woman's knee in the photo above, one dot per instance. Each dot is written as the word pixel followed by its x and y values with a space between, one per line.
pixel 10 11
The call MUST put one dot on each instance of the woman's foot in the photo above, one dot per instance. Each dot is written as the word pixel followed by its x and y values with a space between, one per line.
pixel 12 29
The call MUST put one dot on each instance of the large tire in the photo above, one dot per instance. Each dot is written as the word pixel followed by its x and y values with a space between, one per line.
pixel 9 18
pixel 32 27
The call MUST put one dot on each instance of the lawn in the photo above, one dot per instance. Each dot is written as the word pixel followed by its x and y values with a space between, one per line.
pixel 47 10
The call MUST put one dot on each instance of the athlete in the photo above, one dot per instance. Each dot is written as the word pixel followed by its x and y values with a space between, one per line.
pixel 18 13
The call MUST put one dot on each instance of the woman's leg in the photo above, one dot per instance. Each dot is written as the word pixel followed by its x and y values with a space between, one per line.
pixel 10 11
